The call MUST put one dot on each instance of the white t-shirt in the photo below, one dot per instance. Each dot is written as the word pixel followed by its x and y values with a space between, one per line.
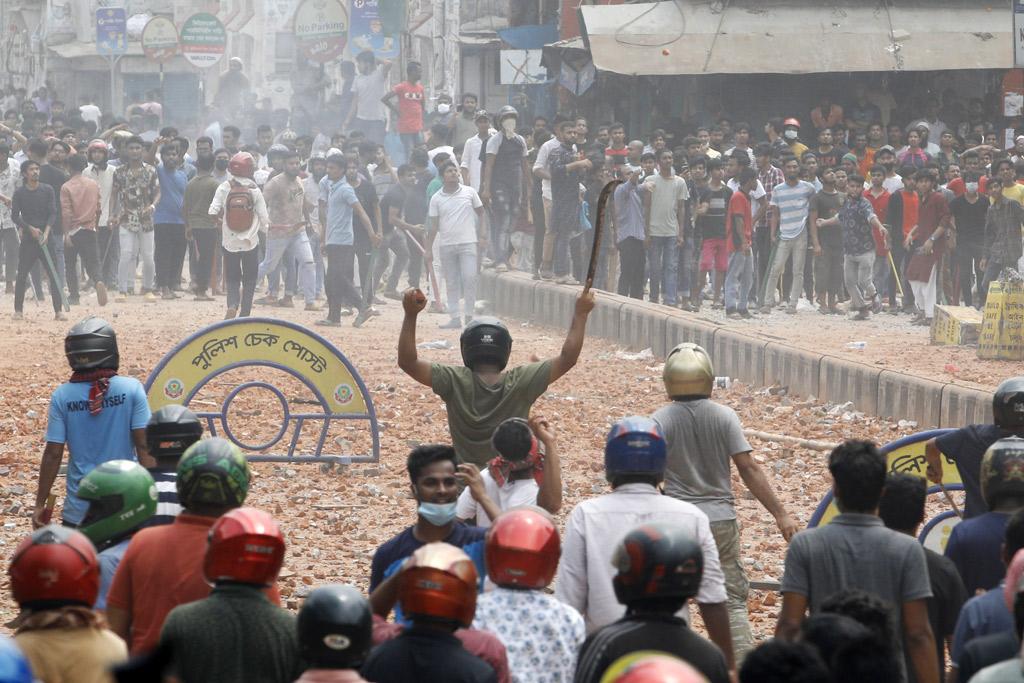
pixel 756 197
pixel 456 214
pixel 512 494
pixel 471 161
pixel 542 162
pixel 368 91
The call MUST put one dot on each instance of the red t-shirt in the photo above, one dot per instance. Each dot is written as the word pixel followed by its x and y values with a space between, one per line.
pixel 739 205
pixel 161 569
pixel 611 152
pixel 410 107
pixel 880 205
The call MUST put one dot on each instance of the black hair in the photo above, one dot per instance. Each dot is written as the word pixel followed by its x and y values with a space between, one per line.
pixel 337 160
pixel 27 164
pixel 77 163
pixel 877 168
pixel 776 124
pixel 858 473
pixel 405 169
pixel 263 128
pixel 861 659
pixel 204 163
pixel 419 158
pixel 648 155
pixel 763 149
pixel 135 140
pixel 168 132
pixel 745 175
pixel 714 165
pixel 742 125
pixel 428 454
pixel 232 129
pixel 665 151
pixel 182 143
pixel 740 157
pixel 778 661
pixel 829 632
pixel 902 505
pixel 168 147
pixel 867 609
pixel 208 140
pixel 513 439
pixel 854 177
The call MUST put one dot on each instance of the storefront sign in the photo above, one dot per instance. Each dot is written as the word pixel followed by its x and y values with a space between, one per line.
pixel 203 40
pixel 321 29
pixel 160 39
pixel 111 31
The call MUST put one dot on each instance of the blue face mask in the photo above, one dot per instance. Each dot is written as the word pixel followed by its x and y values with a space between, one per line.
pixel 438 514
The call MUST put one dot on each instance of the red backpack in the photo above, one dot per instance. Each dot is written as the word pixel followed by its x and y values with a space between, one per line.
pixel 239 209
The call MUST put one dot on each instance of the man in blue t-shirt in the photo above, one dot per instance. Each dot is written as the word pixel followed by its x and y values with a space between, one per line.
pixel 434 473
pixel 168 219
pixel 99 415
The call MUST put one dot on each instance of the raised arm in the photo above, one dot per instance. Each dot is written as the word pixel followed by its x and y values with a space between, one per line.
pixel 413 302
pixel 573 344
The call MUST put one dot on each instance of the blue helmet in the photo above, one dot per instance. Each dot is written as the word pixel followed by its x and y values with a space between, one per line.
pixel 635 445
pixel 14 667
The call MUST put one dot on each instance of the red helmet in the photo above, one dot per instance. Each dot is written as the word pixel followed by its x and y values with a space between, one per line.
pixel 522 549
pixel 439 582
pixel 246 546
pixel 651 667
pixel 97 145
pixel 791 122
pixel 53 566
pixel 242 165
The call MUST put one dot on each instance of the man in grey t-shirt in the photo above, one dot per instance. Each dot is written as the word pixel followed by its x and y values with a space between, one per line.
pixel 704 438
pixel 855 550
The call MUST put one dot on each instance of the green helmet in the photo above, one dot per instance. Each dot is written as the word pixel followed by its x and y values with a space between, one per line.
pixel 213 472
pixel 121 496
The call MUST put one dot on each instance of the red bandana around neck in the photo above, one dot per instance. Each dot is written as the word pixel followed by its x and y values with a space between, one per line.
pixel 501 469
pixel 100 379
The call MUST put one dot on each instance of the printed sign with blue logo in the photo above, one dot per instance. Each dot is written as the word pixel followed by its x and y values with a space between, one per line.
pixel 111 31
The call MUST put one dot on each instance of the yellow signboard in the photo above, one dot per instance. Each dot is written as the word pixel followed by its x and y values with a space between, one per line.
pixel 903 456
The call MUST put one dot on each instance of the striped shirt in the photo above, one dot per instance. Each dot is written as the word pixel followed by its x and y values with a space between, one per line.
pixel 167 506
pixel 792 202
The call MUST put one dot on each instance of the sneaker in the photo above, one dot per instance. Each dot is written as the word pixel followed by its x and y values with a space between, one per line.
pixel 313 307
pixel 345 312
pixel 566 280
pixel 746 315
pixel 536 276
pixel 18 315
pixel 377 301
pixel 876 304
pixel 168 295
pixel 501 268
pixel 791 310
pixel 547 275
pixel 862 314
pixel 266 301
pixel 363 316
pixel 327 322
pixel 765 310
pixel 453 324
pixel 59 315
pixel 392 294
pixel 374 312
pixel 230 313
pixel 733 315
pixel 150 297
pixel 285 302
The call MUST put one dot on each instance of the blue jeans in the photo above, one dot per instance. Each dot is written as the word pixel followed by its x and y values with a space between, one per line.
pixel 318 260
pixel 458 261
pixel 738 279
pixel 662 264
pixel 292 248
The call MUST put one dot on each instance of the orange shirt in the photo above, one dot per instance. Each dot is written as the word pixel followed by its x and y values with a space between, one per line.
pixel 161 569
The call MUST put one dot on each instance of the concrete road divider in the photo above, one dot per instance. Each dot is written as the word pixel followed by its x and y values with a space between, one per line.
pixel 753 359
pixel 794 368
pixel 907 397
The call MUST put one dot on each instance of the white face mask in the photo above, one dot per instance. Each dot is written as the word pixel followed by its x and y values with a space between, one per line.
pixel 790 134
pixel 443 108
pixel 509 126
pixel 972 187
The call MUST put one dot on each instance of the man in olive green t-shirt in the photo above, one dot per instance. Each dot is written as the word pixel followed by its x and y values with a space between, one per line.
pixel 478 399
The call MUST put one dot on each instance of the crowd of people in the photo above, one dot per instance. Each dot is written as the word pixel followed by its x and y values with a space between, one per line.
pixel 158 571
pixel 855 216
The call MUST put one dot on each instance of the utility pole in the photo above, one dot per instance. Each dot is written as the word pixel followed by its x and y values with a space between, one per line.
pixel 447 49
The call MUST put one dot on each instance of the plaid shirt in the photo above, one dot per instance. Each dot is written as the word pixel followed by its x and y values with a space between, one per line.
pixel 769 179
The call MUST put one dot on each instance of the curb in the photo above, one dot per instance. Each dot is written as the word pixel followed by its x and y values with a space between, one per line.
pixel 752 359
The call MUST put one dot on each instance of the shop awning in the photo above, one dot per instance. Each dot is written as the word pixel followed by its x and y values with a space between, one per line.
pixel 780 36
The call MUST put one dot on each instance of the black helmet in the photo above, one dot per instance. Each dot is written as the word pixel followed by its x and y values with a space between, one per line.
pixel 171 430
pixel 93 338
pixel 657 562
pixel 1002 471
pixel 486 340
pixel 335 627
pixel 1008 404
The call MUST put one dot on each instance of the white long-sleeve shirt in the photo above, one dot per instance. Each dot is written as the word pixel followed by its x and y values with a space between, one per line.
pixel 596 528
pixel 241 241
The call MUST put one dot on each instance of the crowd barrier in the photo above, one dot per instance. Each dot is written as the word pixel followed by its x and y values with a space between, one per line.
pixel 755 359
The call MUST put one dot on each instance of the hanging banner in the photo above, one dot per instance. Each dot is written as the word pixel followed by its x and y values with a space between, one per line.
pixel 321 29
pixel 375 28
pixel 203 40
pixel 160 39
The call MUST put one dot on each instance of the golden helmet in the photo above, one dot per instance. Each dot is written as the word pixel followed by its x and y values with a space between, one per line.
pixel 688 372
